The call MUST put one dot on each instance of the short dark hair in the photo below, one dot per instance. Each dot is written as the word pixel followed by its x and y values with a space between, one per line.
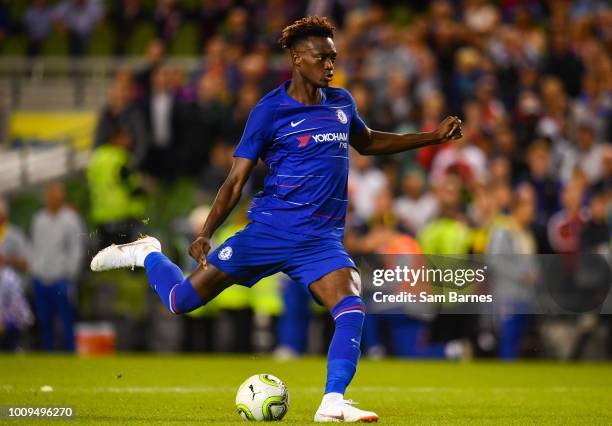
pixel 318 26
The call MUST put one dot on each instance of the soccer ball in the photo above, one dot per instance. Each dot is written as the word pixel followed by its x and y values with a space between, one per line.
pixel 262 397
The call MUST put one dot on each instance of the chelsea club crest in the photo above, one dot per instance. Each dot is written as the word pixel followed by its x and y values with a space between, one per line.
pixel 341 116
pixel 226 253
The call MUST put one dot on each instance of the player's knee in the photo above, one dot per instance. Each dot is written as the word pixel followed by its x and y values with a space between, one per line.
pixel 351 284
pixel 351 288
pixel 355 282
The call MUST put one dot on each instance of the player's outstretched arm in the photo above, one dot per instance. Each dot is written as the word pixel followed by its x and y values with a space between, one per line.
pixel 372 142
pixel 227 198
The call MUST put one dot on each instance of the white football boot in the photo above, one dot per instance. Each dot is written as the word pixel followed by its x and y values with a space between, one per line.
pixel 343 411
pixel 125 255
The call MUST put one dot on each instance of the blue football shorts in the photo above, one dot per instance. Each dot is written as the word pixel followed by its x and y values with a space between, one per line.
pixel 260 250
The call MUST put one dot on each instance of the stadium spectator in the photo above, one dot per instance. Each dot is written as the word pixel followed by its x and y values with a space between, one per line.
pixel 513 58
pixel 480 17
pixel 220 163
pixel 489 200
pixel 57 251
pixel 463 159
pixel 161 117
pixel 594 104
pixel 116 194
pixel 445 36
pixel 565 226
pixel 362 94
pixel 209 15
pixel 216 59
pixel 275 14
pixel 208 122
pixel 388 57
pixel 492 110
pixel 14 250
pixel 247 98
pixel 427 76
pixel 79 19
pixel 416 206
pixel 294 321
pixel 547 188
pixel 563 62
pixel 499 170
pixel 526 116
pixel 399 99
pixel 474 123
pixel 449 235
pixel 121 113
pixel 255 71
pixel 467 73
pixel 553 123
pixel 514 271
pixel 15 313
pixel 178 85
pixel 595 235
pixel 432 110
pixel 585 155
pixel 238 29
pixel 155 56
pixel 507 154
pixel 38 24
pixel 366 182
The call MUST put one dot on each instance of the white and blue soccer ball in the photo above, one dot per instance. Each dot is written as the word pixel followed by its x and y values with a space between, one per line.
pixel 262 397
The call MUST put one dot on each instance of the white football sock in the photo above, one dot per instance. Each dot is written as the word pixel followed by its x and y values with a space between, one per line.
pixel 332 397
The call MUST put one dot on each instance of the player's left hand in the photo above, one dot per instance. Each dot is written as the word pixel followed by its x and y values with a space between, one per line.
pixel 450 128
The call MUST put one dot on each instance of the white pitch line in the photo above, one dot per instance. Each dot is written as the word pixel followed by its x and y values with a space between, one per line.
pixel 159 389
pixel 304 389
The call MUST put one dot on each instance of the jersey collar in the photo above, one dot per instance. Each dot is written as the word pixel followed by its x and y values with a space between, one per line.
pixel 294 101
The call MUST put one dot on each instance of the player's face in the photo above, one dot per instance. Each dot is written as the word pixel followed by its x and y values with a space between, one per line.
pixel 315 58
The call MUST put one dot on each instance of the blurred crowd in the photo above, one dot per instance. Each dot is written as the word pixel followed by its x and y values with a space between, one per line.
pixel 531 81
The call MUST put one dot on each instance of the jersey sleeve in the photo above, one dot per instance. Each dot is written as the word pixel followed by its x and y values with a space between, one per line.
pixel 256 134
pixel 357 123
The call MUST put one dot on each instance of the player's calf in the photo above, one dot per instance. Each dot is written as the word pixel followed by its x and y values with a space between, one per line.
pixel 175 291
pixel 344 349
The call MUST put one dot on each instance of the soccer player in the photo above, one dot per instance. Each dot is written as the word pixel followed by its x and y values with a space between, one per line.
pixel 301 131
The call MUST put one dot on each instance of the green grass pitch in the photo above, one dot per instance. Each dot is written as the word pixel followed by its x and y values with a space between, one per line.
pixel 165 389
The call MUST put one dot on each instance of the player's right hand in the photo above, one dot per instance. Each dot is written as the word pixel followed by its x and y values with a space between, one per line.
pixel 450 128
pixel 199 248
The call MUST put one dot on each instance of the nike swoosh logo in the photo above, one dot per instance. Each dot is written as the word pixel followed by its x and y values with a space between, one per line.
pixel 340 417
pixel 298 123
pixel 355 341
pixel 132 244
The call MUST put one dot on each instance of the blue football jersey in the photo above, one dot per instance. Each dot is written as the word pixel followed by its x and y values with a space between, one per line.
pixel 306 150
